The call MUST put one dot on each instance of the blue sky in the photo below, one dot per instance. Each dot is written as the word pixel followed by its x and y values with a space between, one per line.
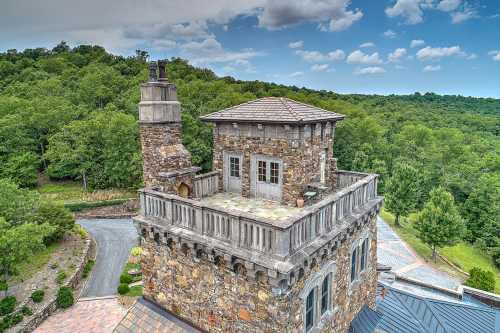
pixel 383 47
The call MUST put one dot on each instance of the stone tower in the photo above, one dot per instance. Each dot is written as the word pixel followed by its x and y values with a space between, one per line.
pixel 235 256
pixel 166 162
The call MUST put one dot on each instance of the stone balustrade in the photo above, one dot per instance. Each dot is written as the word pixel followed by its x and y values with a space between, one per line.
pixel 347 178
pixel 206 184
pixel 276 238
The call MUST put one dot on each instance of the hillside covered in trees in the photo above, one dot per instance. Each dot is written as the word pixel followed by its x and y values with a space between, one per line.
pixel 72 114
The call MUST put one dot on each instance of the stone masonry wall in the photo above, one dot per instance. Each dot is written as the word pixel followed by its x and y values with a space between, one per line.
pixel 214 298
pixel 162 151
pixel 301 158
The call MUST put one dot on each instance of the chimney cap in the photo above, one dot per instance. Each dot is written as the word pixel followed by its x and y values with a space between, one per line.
pixel 153 77
pixel 162 71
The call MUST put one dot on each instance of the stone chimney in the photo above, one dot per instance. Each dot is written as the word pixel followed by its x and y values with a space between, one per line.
pixel 166 162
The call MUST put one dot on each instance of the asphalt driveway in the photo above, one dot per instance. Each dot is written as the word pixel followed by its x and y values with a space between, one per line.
pixel 115 238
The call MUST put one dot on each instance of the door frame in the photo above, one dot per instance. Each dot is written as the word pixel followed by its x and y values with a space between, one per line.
pixel 226 167
pixel 254 177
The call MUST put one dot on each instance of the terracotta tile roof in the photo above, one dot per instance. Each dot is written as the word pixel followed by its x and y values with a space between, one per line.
pixel 272 110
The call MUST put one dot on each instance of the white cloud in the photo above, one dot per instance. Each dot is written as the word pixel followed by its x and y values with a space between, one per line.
pixel 466 14
pixel 296 74
pixel 448 5
pixel 369 70
pixel 319 67
pixel 164 44
pixel 211 51
pixel 495 55
pixel 417 43
pixel 332 15
pixel 366 45
pixel 409 9
pixel 397 55
pixel 430 68
pixel 390 34
pixel 413 10
pixel 471 56
pixel 296 45
pixel 358 57
pixel 436 53
pixel 185 31
pixel 316 56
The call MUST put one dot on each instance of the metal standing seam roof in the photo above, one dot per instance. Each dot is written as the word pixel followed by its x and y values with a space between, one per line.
pixel 273 110
pixel 404 312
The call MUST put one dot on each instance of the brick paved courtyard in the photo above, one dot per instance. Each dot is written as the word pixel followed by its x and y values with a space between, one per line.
pixel 93 316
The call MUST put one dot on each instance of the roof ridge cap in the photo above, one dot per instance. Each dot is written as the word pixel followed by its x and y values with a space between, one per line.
pixel 284 101
pixel 419 321
pixel 229 108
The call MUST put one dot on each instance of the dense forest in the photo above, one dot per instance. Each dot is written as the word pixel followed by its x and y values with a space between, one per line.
pixel 71 113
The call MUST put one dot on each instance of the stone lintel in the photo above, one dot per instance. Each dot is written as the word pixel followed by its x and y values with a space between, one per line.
pixel 181 172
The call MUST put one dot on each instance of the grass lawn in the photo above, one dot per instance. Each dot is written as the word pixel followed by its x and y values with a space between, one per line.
pixel 72 192
pixel 135 291
pixel 34 263
pixel 463 255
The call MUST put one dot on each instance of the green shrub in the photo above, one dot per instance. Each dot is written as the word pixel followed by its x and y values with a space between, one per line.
pixel 37 296
pixel 79 206
pixel 26 311
pixel 7 305
pixel 125 278
pixel 123 288
pixel 481 279
pixel 9 321
pixel 136 251
pixel 4 286
pixel 87 268
pixel 65 298
pixel 61 276
pixel 16 319
pixel 56 215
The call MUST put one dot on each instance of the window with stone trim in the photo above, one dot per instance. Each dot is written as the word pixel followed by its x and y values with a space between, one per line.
pixel 364 254
pixel 234 167
pixel 310 304
pixel 326 286
pixel 262 171
pixel 359 257
pixel 275 173
pixel 354 262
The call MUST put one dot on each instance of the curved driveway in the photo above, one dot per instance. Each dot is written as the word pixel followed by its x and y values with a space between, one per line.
pixel 115 238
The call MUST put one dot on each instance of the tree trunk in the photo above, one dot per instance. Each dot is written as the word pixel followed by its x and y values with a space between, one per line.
pixel 434 253
pixel 43 157
pixel 84 178
pixel 397 221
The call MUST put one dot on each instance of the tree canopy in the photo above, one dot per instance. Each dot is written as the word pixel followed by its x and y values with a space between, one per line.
pixel 71 113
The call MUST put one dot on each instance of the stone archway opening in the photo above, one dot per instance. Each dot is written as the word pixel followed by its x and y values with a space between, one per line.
pixel 183 190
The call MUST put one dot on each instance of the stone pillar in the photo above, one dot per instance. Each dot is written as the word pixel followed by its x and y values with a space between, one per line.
pixel 161 129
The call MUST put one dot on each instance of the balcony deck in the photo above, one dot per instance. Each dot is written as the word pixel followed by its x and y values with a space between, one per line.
pixel 259 208
pixel 257 228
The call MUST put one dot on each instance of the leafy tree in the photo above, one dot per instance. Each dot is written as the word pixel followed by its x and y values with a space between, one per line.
pixel 18 243
pixel 439 223
pixel 402 191
pixel 16 205
pixel 55 215
pixel 481 279
pixel 482 210
pixel 22 169
pixel 102 151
